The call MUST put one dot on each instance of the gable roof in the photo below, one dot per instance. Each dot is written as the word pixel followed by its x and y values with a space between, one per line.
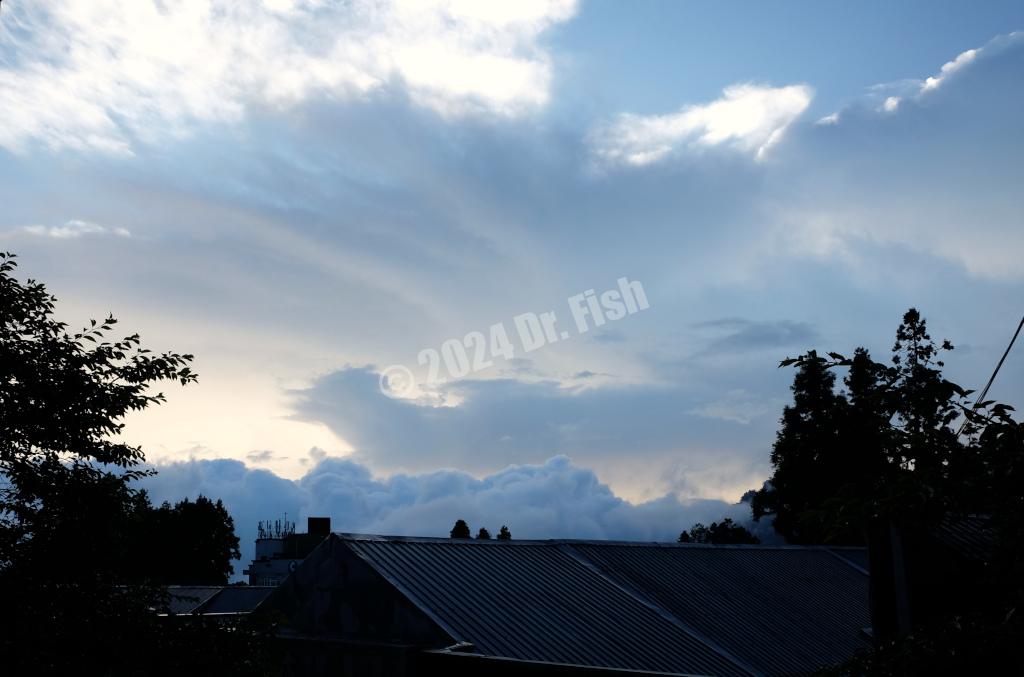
pixel 676 608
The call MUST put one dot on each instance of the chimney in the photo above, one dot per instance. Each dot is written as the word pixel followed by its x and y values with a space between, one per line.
pixel 319 526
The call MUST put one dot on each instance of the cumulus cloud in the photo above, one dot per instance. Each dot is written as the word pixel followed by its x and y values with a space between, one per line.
pixel 552 499
pixel 102 74
pixel 748 117
pixel 74 228
pixel 949 68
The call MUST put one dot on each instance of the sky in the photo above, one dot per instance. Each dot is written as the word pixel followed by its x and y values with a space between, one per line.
pixel 308 194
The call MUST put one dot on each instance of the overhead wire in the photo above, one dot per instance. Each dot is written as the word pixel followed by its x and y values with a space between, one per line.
pixel 992 378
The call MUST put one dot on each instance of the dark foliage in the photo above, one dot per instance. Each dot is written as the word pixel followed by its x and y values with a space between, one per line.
pixel 70 521
pixel 905 448
pixel 965 645
pixel 461 530
pixel 725 532
pixel 191 543
pixel 887 443
pixel 483 534
pixel 504 534
pixel 807 455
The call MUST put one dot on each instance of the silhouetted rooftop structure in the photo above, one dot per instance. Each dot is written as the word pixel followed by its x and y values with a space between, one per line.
pixel 280 549
pixel 650 607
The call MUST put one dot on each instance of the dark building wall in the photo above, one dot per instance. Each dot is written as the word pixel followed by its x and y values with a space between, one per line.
pixel 317 658
pixel 335 595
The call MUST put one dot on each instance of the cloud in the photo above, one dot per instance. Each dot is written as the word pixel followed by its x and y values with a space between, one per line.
pixel 748 117
pixel 905 168
pixel 315 456
pixel 358 234
pixel 106 74
pixel 261 456
pixel 742 335
pixel 888 97
pixel 493 423
pixel 552 499
pixel 949 68
pixel 73 229
pixel 738 406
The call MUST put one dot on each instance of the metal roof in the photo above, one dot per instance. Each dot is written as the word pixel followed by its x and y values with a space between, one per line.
pixel 215 599
pixel 781 610
pixel 714 610
pixel 237 599
pixel 973 536
pixel 186 599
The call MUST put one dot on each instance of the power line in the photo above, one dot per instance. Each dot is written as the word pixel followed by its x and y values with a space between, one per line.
pixel 992 378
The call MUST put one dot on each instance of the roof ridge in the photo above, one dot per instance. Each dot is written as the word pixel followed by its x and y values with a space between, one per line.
pixel 846 560
pixel 350 536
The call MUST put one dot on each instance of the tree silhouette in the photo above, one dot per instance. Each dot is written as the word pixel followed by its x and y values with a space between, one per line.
pixel 191 543
pixel 843 459
pixel 913 456
pixel 70 520
pixel 64 396
pixel 806 456
pixel 483 534
pixel 460 530
pixel 504 534
pixel 725 532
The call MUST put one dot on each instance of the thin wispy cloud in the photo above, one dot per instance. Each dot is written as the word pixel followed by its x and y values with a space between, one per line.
pixel 889 97
pixel 74 228
pixel 748 117
pixel 737 406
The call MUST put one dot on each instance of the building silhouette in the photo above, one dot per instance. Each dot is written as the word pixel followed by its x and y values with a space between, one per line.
pixel 280 550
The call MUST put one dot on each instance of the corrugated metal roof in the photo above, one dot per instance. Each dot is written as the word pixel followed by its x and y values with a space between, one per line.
pixel 536 602
pixel 717 610
pixel 781 610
